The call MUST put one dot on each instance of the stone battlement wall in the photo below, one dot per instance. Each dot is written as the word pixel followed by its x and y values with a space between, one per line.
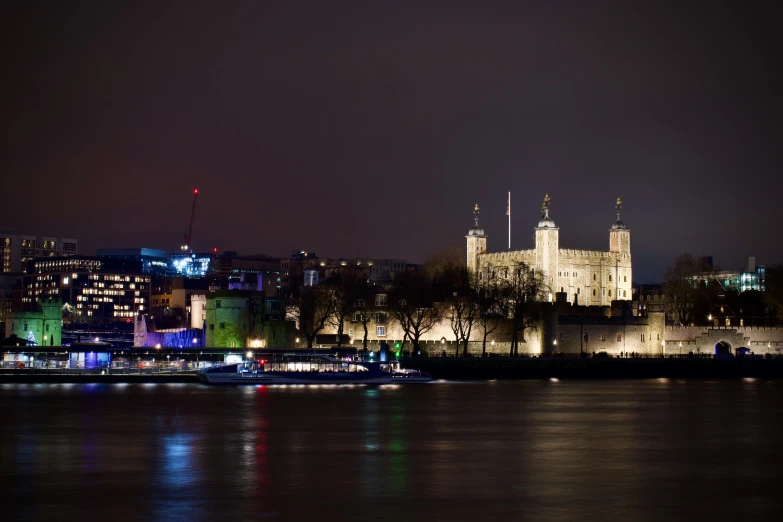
pixel 702 339
pixel 570 252
pixel 508 256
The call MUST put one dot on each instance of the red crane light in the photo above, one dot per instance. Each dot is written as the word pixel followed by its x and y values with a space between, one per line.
pixel 189 235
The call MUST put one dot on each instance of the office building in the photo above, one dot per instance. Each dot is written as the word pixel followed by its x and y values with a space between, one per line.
pixel 17 249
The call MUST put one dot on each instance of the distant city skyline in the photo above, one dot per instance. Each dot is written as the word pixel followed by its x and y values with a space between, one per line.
pixel 372 130
pixel 647 272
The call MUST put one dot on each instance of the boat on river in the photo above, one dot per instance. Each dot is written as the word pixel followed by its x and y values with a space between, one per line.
pixel 309 369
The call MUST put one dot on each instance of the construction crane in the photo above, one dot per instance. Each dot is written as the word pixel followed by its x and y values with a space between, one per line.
pixel 186 244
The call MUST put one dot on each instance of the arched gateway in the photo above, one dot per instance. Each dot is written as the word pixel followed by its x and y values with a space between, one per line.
pixel 723 348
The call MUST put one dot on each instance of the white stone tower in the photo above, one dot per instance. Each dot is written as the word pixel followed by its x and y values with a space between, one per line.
pixel 477 243
pixel 547 244
pixel 620 244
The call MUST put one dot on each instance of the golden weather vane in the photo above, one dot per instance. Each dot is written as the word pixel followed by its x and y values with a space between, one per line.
pixel 545 205
pixel 476 213
pixel 618 206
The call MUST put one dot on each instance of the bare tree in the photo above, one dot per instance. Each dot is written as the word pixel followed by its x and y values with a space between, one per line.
pixel 364 295
pixel 345 289
pixel 412 306
pixel 490 310
pixel 680 291
pixel 773 293
pixel 522 291
pixel 463 314
pixel 311 310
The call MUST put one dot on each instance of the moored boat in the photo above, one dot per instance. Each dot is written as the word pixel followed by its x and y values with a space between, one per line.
pixel 297 369
pixel 310 369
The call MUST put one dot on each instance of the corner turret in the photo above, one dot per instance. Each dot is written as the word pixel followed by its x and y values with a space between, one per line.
pixel 477 242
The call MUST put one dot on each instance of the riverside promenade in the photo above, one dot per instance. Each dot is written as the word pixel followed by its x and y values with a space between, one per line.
pixel 468 369
pixel 75 376
pixel 488 368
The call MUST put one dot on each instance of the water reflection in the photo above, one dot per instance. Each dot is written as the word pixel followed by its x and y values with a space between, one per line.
pixel 622 450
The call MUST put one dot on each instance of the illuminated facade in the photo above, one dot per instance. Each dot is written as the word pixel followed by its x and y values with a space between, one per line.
pixel 40 326
pixel 585 277
pixel 753 277
pixel 246 319
pixel 191 265
pixel 16 250
pixel 93 288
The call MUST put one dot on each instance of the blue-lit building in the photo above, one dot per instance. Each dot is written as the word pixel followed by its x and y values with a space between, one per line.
pixel 753 277
pixel 191 265
pixel 153 262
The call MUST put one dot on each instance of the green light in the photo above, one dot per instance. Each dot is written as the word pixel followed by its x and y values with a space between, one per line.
pixel 396 345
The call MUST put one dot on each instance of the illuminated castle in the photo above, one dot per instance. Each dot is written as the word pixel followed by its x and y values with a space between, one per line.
pixel 586 277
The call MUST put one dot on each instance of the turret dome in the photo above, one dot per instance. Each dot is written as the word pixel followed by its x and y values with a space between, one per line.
pixel 476 230
pixel 618 225
pixel 546 221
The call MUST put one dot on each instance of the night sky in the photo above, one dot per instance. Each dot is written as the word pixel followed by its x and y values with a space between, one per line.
pixel 370 129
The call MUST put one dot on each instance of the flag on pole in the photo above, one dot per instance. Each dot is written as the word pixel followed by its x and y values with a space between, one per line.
pixel 508 213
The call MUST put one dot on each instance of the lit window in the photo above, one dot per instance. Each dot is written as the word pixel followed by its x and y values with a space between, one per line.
pixel 380 331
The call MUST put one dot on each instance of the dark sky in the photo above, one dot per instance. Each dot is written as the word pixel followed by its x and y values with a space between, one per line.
pixel 370 129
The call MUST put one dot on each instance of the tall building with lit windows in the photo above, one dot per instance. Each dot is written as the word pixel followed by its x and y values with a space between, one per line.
pixel 17 249
pixel 90 288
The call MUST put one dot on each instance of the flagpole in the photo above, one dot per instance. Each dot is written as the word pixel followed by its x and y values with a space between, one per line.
pixel 509 220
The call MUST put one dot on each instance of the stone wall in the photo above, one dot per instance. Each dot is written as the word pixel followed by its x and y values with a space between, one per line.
pixel 702 339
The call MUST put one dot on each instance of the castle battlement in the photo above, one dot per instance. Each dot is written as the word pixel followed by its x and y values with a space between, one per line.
pixel 587 253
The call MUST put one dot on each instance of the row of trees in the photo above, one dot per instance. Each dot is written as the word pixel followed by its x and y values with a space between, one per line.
pixel 443 292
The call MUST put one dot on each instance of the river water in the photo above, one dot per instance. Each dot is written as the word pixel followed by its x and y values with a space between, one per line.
pixel 533 450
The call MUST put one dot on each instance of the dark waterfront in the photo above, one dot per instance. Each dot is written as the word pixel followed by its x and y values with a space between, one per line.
pixel 533 450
